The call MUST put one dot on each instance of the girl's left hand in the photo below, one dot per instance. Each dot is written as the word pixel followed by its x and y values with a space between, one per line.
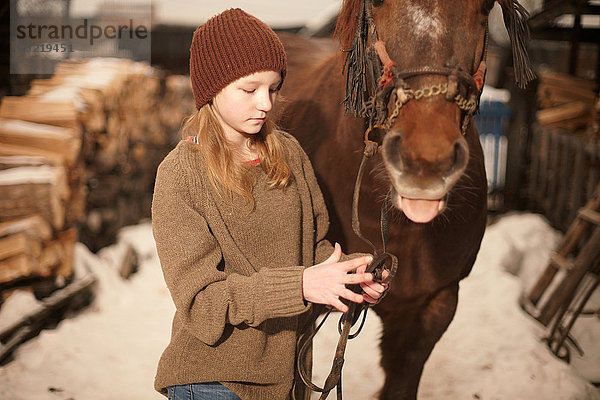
pixel 372 290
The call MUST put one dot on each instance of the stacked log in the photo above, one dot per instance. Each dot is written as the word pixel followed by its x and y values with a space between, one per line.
pixel 178 101
pixel 78 158
pixel 565 102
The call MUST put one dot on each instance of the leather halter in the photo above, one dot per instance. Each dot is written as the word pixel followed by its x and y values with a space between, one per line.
pixel 392 86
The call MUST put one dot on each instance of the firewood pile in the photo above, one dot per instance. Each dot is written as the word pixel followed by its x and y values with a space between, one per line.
pixel 78 157
pixel 566 102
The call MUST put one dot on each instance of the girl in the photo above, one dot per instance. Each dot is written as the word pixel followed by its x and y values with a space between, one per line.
pixel 238 217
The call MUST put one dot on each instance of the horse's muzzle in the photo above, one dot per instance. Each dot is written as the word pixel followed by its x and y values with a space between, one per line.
pixel 421 179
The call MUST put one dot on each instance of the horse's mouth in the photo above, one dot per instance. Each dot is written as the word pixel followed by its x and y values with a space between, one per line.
pixel 419 210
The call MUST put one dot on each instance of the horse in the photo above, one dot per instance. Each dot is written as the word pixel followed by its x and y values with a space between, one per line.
pixel 403 80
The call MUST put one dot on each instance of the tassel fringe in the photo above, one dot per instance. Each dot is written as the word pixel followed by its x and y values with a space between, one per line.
pixel 359 67
pixel 515 20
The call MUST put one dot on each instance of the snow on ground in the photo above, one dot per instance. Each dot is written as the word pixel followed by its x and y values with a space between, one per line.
pixel 109 351
pixel 492 349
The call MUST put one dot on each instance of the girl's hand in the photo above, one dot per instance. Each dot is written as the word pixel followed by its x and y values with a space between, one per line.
pixel 326 282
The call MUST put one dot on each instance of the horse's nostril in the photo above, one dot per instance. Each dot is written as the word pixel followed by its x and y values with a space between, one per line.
pixel 461 154
pixel 457 152
pixel 392 149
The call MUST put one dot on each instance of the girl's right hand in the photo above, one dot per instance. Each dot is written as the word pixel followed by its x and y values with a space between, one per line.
pixel 326 282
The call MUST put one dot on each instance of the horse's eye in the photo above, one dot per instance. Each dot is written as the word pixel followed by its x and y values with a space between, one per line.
pixel 378 3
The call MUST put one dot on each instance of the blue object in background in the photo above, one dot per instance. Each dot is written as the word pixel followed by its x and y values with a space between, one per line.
pixel 492 122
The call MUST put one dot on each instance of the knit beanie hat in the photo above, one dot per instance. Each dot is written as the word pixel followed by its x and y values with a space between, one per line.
pixel 229 46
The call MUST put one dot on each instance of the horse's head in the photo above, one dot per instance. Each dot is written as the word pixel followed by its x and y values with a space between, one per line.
pixel 433 54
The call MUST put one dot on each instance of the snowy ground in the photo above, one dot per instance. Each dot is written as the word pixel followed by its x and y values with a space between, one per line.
pixel 492 349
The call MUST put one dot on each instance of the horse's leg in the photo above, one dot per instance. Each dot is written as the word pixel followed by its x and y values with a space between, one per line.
pixel 407 341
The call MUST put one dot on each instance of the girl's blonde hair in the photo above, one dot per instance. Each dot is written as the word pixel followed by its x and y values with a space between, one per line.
pixel 225 172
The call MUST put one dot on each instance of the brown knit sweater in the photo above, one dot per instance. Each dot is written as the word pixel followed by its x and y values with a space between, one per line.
pixel 235 276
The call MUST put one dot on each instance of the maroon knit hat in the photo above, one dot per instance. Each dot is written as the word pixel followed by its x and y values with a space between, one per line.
pixel 229 46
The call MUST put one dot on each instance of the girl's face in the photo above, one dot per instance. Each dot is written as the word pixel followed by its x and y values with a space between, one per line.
pixel 242 106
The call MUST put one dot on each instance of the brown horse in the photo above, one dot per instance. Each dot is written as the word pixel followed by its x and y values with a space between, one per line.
pixel 430 160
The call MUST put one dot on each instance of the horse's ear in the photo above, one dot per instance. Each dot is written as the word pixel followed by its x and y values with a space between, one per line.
pixel 347 22
pixel 515 19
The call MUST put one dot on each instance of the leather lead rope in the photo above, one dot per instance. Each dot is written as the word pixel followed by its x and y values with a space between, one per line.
pixel 377 265
pixel 348 319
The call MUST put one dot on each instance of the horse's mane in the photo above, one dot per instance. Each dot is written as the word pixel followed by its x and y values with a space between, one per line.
pixel 347 22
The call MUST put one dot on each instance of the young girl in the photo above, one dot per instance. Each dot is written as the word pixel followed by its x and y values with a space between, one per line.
pixel 239 224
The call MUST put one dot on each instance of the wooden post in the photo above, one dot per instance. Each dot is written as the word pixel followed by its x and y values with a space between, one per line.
pixel 566 289
pixel 576 232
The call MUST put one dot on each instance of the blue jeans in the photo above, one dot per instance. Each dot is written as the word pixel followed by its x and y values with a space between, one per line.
pixel 201 391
